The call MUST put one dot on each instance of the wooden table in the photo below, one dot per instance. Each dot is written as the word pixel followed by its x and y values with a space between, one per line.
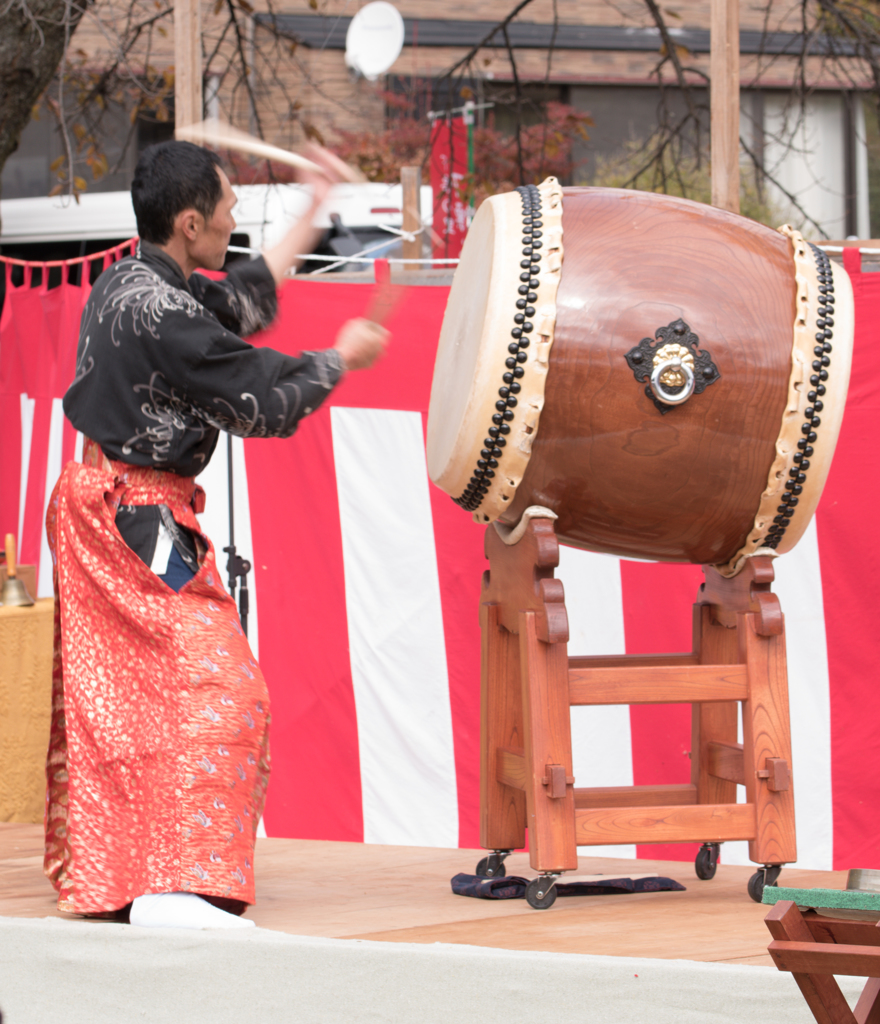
pixel 25 708
pixel 814 948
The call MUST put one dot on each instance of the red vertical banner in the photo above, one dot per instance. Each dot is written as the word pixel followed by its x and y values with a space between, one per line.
pixel 850 561
pixel 449 167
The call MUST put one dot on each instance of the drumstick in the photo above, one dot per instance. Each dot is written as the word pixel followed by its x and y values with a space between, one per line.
pixel 218 133
pixel 385 299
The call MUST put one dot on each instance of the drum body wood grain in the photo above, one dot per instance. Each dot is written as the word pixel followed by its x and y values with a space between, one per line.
pixel 623 474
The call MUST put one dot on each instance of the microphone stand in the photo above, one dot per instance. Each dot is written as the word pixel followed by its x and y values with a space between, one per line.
pixel 236 566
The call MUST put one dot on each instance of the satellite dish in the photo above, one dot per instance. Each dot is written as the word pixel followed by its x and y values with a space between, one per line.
pixel 374 39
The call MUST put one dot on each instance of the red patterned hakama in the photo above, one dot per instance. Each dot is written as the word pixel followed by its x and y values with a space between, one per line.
pixel 158 755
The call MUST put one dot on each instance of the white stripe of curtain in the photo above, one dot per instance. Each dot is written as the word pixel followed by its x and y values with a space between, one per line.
pixel 27 434
pixel 53 471
pixel 395 629
pixel 601 737
pixel 215 520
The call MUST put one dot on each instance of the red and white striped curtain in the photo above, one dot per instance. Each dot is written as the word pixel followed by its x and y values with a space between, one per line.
pixel 366 585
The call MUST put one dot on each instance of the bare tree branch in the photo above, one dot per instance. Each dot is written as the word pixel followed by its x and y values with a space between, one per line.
pixel 776 183
pixel 469 56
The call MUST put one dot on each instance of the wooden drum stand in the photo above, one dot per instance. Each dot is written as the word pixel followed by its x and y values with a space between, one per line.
pixel 529 684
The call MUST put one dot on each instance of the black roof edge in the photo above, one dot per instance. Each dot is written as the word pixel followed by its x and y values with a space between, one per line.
pixel 324 33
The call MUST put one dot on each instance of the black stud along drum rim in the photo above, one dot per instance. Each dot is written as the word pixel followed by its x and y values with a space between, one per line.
pixel 514 365
pixel 809 429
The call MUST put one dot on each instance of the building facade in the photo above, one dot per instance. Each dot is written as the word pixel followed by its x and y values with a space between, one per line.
pixel 281 70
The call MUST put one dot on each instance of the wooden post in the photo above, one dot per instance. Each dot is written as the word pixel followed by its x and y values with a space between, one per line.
pixel 713 725
pixel 502 808
pixel 767 739
pixel 411 183
pixel 187 62
pixel 724 120
pixel 547 739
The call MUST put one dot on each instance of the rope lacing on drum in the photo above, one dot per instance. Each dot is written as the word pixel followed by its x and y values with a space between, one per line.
pixel 824 333
pixel 494 444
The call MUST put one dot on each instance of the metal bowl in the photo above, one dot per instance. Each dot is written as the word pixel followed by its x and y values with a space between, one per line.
pixel 863 880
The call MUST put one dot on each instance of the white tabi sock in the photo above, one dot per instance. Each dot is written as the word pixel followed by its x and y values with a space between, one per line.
pixel 181 910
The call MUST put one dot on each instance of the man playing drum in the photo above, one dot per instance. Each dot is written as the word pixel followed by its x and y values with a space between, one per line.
pixel 158 757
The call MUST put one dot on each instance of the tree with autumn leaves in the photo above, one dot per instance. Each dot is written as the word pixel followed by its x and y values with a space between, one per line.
pixel 501 160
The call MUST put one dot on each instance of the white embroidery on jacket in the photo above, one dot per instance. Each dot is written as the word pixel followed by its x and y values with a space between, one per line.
pixel 141 292
pixel 169 412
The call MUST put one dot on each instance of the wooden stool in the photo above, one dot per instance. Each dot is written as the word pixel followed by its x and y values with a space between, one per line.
pixel 815 948
pixel 529 684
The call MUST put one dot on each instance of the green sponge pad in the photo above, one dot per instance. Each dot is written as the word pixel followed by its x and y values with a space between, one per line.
pixel 834 899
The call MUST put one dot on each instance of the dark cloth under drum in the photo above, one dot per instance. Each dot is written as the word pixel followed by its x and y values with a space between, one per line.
pixel 513 887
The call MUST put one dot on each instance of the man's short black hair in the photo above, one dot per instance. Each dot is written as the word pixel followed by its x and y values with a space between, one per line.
pixel 171 177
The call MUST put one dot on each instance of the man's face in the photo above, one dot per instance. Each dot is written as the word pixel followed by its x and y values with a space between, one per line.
pixel 209 248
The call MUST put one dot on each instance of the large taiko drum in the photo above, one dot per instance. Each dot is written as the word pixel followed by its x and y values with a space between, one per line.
pixel 667 378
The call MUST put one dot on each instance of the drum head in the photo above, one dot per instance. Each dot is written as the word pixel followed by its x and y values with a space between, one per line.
pixel 514 243
pixel 462 360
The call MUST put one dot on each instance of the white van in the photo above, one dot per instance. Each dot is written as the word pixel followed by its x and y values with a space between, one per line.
pixel 356 217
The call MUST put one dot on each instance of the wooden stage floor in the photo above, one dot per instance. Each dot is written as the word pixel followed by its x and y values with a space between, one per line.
pixel 402 894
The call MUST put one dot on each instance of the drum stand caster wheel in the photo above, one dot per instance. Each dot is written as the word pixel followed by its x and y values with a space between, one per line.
pixel 541 892
pixel 763 877
pixel 493 865
pixel 706 863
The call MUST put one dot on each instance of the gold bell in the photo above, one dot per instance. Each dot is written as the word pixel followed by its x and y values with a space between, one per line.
pixel 14 593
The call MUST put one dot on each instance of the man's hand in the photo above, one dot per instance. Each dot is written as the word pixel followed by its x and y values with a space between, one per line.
pixel 360 343
pixel 302 236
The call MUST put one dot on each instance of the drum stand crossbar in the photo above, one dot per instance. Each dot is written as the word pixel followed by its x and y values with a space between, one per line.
pixel 529 685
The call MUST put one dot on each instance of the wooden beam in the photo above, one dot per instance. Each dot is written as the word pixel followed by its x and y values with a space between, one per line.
pixel 631 660
pixel 411 184
pixel 511 767
pixel 825 959
pixel 767 736
pixel 724 118
pixel 725 761
pixel 636 796
pixel 699 823
pixel 187 63
pixel 502 809
pixel 547 735
pixel 867 1009
pixel 716 722
pixel 686 684
pixel 833 929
